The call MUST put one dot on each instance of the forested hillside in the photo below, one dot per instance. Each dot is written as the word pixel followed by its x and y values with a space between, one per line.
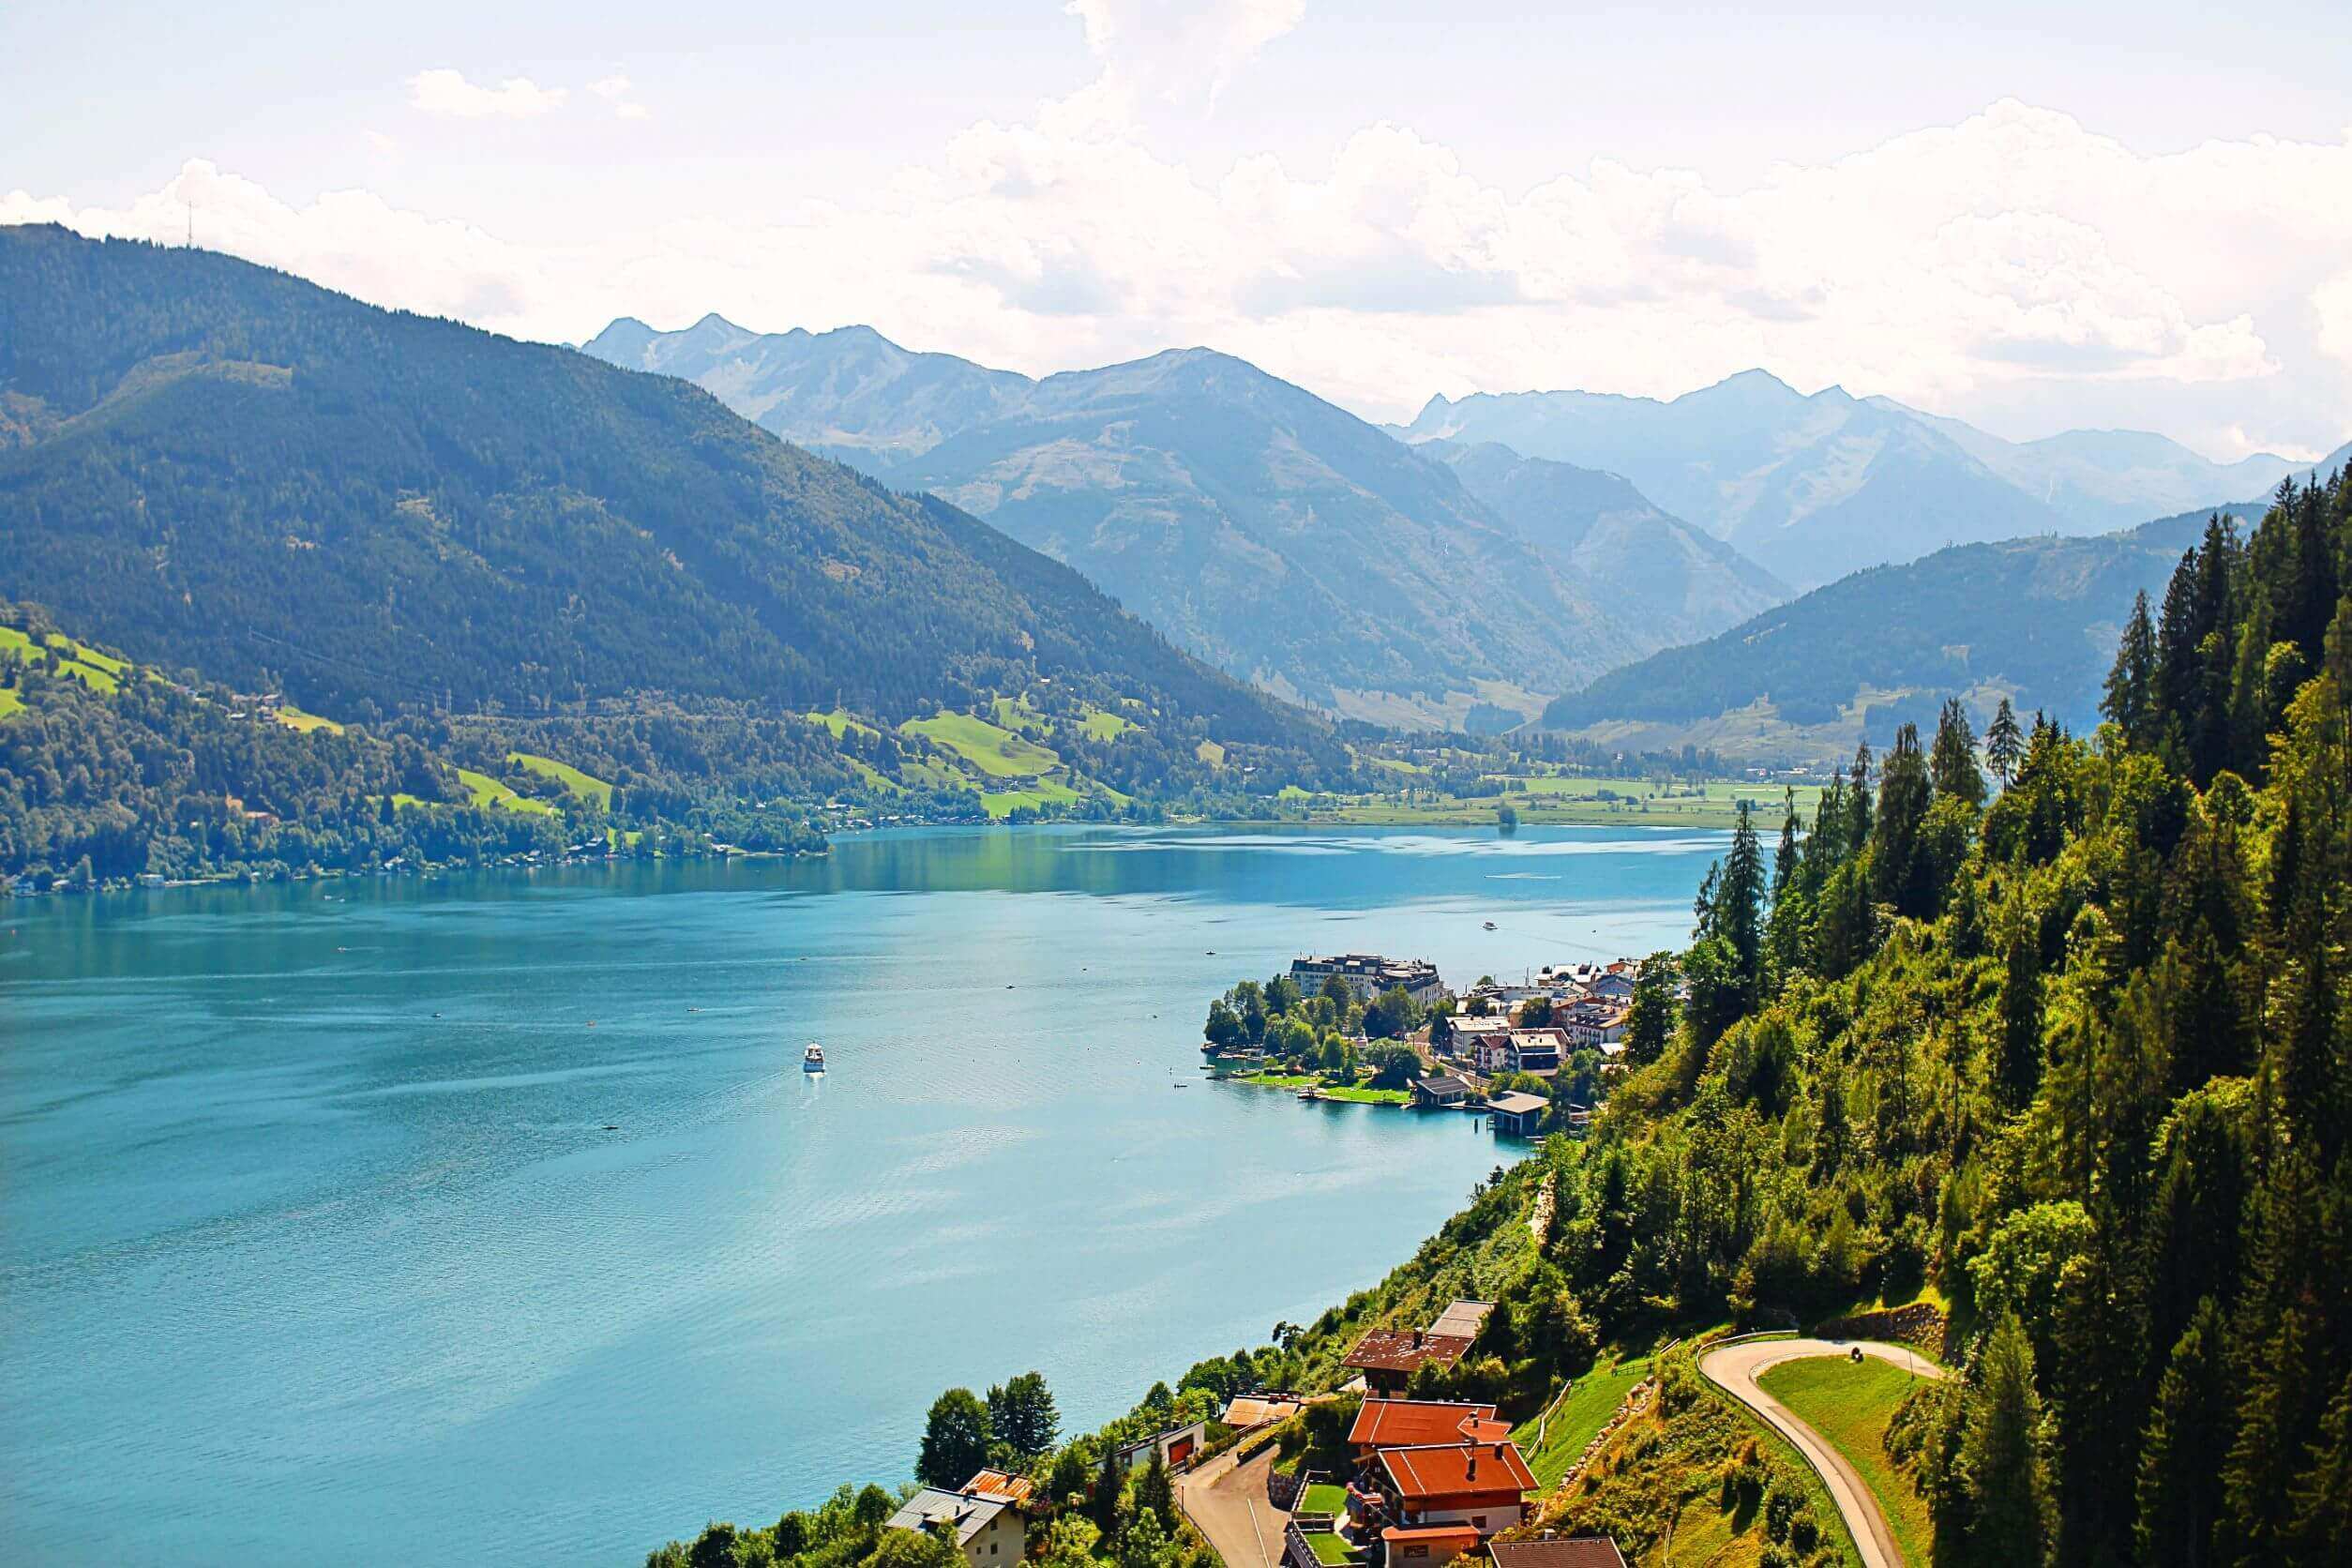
pixel 2074 1057
pixel 2033 619
pixel 407 523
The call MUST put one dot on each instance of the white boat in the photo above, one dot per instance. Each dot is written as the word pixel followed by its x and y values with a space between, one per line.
pixel 813 1058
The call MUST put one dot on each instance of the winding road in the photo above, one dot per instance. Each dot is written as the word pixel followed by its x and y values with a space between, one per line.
pixel 1735 1368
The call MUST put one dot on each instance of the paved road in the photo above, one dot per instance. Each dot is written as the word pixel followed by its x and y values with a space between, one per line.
pixel 1735 1369
pixel 1228 1504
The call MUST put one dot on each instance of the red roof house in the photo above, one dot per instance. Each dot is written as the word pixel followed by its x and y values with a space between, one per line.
pixel 1482 1484
pixel 1412 1423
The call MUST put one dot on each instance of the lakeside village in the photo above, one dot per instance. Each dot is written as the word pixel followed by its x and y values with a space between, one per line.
pixel 1534 1058
pixel 1387 1471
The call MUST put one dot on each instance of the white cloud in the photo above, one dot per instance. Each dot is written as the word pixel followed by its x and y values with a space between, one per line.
pixel 2013 264
pixel 615 91
pixel 1181 49
pixel 448 92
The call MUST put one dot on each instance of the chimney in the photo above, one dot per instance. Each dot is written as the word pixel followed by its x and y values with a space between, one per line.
pixel 1417 1340
pixel 1470 1472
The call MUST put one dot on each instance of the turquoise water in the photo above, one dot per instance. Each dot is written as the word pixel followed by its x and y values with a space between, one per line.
pixel 314 1240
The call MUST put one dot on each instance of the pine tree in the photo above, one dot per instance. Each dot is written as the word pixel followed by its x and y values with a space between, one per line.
pixel 2018 1062
pixel 2005 743
pixel 1903 796
pixel 2179 1490
pixel 1953 763
pixel 1739 904
pixel 2012 1500
pixel 2131 685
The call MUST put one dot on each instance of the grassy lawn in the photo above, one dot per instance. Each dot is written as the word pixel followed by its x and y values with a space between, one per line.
pixel 488 792
pixel 1211 753
pixel 1324 1497
pixel 585 785
pixel 839 722
pixel 994 750
pixel 1104 726
pixel 1280 1080
pixel 1329 1548
pixel 1001 803
pixel 10 701
pixel 1850 1404
pixel 295 719
pixel 1580 1416
pixel 1361 1095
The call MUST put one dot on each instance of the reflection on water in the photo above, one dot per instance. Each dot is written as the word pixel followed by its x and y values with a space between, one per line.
pixel 411 1214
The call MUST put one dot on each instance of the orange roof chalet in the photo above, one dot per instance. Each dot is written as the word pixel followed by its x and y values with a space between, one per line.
pixel 1411 1423
pixel 1458 1469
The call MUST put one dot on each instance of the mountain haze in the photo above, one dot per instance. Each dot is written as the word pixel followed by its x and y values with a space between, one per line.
pixel 1816 487
pixel 1675 579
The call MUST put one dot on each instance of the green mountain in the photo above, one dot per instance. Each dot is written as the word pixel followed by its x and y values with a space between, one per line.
pixel 1260 527
pixel 218 467
pixel 2034 620
pixel 1596 528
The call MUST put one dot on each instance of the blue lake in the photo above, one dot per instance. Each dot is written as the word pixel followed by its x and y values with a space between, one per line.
pixel 314 1240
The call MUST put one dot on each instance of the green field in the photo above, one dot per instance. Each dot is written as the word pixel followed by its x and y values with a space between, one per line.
pixel 295 719
pixel 10 701
pixel 839 722
pixel 1849 1404
pixel 488 792
pixel 586 786
pixel 1105 726
pixel 1211 753
pixel 1555 799
pixel 996 751
pixel 1044 792
pixel 1580 1417
pixel 97 671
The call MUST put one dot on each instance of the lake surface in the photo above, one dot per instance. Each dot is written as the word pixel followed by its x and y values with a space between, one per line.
pixel 314 1240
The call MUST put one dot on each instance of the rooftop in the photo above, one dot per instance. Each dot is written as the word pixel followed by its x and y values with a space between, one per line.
pixel 1410 1422
pixel 1464 1318
pixel 1450 1470
pixel 1517 1103
pixel 1406 1350
pixel 1015 1489
pixel 967 1513
pixel 1583 1551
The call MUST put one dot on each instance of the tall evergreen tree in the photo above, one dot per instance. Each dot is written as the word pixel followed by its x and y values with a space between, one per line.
pixel 1903 796
pixel 2131 682
pixel 2005 743
pixel 1951 764
pixel 2018 1062
pixel 2180 1487
pixel 2012 1507
pixel 1739 903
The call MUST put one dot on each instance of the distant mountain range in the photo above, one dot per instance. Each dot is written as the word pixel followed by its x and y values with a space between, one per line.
pixel 1650 566
pixel 2035 620
pixel 1266 530
pixel 217 466
pixel 1817 487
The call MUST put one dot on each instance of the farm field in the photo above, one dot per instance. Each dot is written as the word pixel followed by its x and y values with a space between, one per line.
pixel 996 751
pixel 490 793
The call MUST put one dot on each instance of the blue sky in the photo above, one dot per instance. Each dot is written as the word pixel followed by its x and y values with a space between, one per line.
pixel 2034 217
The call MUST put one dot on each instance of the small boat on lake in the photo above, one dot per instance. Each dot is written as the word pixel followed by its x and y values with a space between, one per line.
pixel 813 1058
pixel 1490 925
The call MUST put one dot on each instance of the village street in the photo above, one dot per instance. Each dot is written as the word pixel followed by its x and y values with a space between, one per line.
pixel 1227 1503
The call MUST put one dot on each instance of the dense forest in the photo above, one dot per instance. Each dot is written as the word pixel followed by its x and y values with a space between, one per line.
pixel 2064 1053
pixel 2075 1057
